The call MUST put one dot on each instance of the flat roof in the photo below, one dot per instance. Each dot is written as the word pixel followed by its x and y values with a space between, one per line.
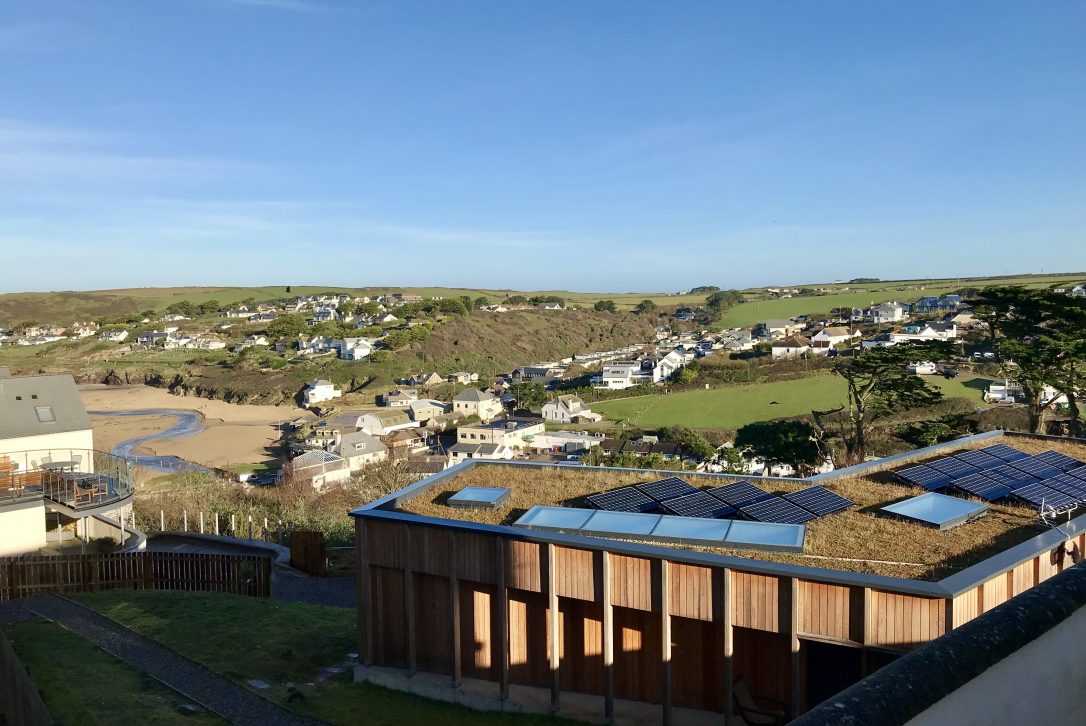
pixel 860 539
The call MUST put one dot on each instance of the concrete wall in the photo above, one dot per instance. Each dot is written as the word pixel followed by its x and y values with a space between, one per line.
pixel 22 528
pixel 1039 683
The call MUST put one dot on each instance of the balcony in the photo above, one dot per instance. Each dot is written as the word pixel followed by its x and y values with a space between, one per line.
pixel 79 480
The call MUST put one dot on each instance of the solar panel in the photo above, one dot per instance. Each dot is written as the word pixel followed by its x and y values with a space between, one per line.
pixel 1079 473
pixel 1039 469
pixel 698 504
pixel 626 499
pixel 1005 452
pixel 982 487
pixel 1063 462
pixel 924 476
pixel 1010 477
pixel 954 468
pixel 776 509
pixel 980 459
pixel 665 489
pixel 739 493
pixel 1069 485
pixel 1037 494
pixel 819 501
pixel 937 510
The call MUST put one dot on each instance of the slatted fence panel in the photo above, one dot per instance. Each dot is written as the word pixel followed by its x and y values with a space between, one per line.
pixel 38 574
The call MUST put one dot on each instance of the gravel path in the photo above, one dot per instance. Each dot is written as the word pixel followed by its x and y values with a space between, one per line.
pixel 289 584
pixel 214 692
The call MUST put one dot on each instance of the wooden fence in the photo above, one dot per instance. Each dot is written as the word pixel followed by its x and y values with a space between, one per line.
pixel 38 575
pixel 307 552
pixel 20 702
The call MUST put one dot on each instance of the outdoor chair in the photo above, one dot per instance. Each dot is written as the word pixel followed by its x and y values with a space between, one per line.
pixel 76 458
pixel 757 713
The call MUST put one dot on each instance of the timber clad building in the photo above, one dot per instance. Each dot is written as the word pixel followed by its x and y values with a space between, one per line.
pixel 507 618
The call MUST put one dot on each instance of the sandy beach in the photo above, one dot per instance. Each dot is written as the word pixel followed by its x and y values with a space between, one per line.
pixel 235 434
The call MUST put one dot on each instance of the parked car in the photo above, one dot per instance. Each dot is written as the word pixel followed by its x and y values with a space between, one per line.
pixel 950 373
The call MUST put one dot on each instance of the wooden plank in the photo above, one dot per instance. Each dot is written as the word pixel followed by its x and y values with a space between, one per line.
pixel 793 632
pixel 454 610
pixel 664 589
pixel 365 606
pixel 608 639
pixel 408 602
pixel 502 607
pixel 575 573
pixel 727 617
pixel 552 617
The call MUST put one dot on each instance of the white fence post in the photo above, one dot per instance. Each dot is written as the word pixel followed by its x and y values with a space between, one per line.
pixel 250 526
pixel 216 524
pixel 161 521
pixel 233 531
pixel 184 520
pixel 201 522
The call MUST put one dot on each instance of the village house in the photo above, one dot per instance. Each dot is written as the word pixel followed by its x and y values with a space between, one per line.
pixel 174 318
pixel 646 370
pixel 565 441
pixel 253 341
pixel 79 331
pixel 319 469
pixel 568 409
pixel 113 336
pixel 473 402
pixel 925 332
pixel 360 449
pixel 778 328
pixel 406 443
pixel 827 339
pixel 384 421
pixel 241 312
pixel 353 348
pixel 791 347
pixel 425 380
pixel 319 391
pixel 425 410
pixel 512 432
pixel 399 397
pixel 463 378
pixel 887 312
pixel 549 306
pixel 151 337
pixel 460 451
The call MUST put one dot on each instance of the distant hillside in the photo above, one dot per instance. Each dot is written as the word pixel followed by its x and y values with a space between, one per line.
pixel 492 343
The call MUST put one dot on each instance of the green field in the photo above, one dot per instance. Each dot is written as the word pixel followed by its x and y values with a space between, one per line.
pixel 736 406
pixel 864 295
pixel 730 407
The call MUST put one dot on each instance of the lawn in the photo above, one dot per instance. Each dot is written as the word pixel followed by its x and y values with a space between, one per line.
pixel 729 407
pixel 279 643
pixel 734 406
pixel 82 684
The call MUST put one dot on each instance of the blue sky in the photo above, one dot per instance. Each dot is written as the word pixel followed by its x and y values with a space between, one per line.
pixel 578 145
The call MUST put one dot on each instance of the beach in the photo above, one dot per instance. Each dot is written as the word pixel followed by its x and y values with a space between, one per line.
pixel 235 434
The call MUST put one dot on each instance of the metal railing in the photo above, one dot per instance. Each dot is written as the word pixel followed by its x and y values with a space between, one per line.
pixel 77 478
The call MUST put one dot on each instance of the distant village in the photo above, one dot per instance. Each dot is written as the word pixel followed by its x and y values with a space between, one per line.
pixel 428 433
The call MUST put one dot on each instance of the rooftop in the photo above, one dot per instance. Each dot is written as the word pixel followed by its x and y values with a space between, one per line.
pixel 859 539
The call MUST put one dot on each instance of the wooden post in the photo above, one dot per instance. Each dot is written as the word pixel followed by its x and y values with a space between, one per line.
pixel 233 529
pixel 161 521
pixel 503 622
pixel 552 620
pixel 408 601
pixel 948 615
pixel 454 603
pixel 184 520
pixel 201 522
pixel 365 595
pixel 216 524
pixel 793 632
pixel 729 645
pixel 865 631
pixel 608 640
pixel 665 637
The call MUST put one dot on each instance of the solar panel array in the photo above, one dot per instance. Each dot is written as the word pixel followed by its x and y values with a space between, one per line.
pixel 776 509
pixel 1049 480
pixel 664 489
pixel 699 504
pixel 819 501
pixel 739 493
pixel 626 499
pixel 678 497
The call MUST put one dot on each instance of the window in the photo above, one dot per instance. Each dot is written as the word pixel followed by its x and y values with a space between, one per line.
pixel 45 414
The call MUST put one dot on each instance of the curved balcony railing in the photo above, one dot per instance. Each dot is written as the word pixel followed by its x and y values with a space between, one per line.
pixel 76 478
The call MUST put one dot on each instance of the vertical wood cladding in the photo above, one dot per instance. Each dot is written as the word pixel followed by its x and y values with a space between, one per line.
pixel 529 637
pixel 580 653
pixel 478 630
pixel 389 624
pixel 433 612
pixel 638 674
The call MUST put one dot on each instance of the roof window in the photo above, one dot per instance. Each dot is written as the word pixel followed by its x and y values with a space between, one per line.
pixel 45 414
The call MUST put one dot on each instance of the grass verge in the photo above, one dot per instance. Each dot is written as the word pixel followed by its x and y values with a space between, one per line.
pixel 297 649
pixel 82 684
